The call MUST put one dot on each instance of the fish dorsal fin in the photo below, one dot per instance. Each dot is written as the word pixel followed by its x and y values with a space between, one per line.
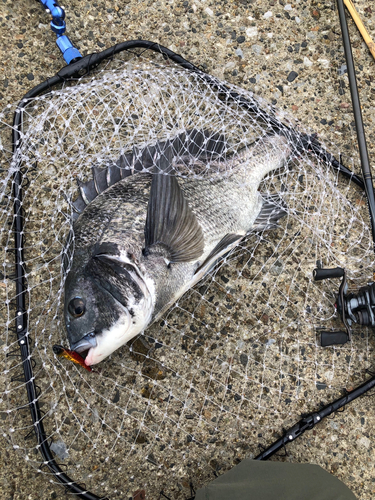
pixel 201 145
pixel 170 221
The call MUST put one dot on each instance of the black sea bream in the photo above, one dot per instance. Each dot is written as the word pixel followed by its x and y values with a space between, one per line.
pixel 146 239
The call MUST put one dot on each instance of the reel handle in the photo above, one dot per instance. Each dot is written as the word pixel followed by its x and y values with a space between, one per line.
pixel 338 337
pixel 323 274
pixel 328 338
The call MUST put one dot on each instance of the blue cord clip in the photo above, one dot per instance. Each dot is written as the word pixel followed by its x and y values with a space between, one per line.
pixel 58 26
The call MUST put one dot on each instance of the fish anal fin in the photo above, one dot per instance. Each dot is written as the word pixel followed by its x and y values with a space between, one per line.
pixel 273 209
pixel 170 221
pixel 226 244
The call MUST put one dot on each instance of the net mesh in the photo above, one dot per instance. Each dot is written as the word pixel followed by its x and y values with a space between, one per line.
pixel 190 394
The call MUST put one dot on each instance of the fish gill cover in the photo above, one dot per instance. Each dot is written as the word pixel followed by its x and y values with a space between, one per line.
pixel 190 394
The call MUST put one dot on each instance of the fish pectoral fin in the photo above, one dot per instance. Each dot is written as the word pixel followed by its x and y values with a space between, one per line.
pixel 273 208
pixel 226 244
pixel 170 221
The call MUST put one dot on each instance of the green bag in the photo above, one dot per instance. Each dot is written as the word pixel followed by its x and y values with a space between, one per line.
pixel 264 480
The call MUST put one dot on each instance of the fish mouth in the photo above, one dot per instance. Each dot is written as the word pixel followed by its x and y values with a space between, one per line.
pixel 85 344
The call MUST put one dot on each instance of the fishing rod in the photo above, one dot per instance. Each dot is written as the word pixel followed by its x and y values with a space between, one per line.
pixel 353 307
pixel 361 137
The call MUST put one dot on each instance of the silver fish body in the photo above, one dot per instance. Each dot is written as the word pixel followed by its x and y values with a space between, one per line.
pixel 148 238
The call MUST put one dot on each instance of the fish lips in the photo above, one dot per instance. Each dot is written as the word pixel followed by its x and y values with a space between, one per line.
pixel 85 344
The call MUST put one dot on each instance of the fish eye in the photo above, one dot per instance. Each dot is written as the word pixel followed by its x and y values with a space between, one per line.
pixel 76 307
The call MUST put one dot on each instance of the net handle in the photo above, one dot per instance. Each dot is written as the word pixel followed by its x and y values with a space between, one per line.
pixel 309 421
pixel 58 26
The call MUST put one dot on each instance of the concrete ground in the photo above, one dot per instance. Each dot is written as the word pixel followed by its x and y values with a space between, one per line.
pixel 262 54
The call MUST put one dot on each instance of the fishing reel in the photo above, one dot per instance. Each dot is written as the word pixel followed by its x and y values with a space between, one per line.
pixel 356 308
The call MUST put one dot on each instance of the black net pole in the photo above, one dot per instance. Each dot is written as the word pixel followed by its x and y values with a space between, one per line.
pixel 312 419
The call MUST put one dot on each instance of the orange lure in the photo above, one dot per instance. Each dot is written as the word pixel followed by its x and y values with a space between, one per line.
pixel 59 350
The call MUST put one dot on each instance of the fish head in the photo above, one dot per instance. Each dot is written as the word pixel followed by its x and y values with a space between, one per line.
pixel 107 302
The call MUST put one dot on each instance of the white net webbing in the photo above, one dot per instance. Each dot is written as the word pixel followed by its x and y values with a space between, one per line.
pixel 191 393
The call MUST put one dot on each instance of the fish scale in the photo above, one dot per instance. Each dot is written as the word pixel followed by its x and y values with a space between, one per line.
pixel 144 241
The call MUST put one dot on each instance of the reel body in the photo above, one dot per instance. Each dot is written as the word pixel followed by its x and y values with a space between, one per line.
pixel 352 307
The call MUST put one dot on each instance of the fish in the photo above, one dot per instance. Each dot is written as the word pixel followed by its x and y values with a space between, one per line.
pixel 142 240
pixel 61 351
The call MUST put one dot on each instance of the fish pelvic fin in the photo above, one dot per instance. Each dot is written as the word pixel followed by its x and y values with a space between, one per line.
pixel 170 221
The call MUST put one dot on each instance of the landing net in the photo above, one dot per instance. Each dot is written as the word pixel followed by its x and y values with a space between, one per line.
pixel 190 395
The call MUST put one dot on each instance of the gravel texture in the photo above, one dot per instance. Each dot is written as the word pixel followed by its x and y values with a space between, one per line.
pixel 288 53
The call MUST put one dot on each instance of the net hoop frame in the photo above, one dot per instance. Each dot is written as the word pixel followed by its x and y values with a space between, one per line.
pixel 83 67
